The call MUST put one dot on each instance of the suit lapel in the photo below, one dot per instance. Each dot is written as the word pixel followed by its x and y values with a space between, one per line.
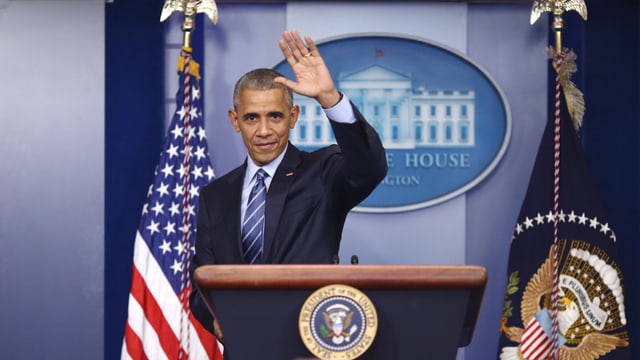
pixel 276 197
pixel 232 198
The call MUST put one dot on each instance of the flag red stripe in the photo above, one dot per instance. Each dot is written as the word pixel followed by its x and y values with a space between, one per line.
pixel 153 314
pixel 208 341
pixel 540 350
pixel 133 344
pixel 535 341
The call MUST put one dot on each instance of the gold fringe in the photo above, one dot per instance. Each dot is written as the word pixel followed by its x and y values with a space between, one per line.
pixel 194 67
pixel 573 96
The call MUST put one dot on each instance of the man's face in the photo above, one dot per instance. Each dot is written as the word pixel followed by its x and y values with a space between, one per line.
pixel 264 118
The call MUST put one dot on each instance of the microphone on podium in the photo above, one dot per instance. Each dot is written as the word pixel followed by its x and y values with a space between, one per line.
pixel 354 259
pixel 336 259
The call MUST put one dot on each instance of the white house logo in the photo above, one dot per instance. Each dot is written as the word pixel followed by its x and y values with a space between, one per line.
pixel 444 122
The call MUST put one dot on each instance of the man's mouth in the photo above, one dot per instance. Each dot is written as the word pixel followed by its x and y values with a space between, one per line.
pixel 265 146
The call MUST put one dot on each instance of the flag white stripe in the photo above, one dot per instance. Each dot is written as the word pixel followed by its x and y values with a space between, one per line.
pixel 124 354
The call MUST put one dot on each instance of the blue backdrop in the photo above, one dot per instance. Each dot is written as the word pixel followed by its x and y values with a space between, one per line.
pixel 134 128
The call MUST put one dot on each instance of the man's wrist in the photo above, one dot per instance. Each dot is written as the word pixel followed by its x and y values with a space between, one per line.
pixel 342 111
pixel 330 100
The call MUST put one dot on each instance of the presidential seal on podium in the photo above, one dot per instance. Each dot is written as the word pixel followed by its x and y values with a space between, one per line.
pixel 338 322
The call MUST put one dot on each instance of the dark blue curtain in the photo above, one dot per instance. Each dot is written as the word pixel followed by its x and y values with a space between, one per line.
pixel 134 126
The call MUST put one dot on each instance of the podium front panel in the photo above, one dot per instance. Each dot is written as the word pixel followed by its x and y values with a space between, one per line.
pixel 412 324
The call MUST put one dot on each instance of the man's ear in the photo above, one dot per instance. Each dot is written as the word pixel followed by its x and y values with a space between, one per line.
pixel 295 113
pixel 233 117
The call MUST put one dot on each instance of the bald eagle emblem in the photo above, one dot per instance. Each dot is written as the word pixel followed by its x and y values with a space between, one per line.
pixel 590 308
pixel 338 318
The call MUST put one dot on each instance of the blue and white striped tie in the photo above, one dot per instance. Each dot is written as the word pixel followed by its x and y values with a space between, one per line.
pixel 253 226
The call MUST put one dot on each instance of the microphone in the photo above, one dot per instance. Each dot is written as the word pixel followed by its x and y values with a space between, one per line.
pixel 336 259
pixel 354 259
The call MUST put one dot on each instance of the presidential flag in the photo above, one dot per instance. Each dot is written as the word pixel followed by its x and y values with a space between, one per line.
pixel 160 324
pixel 564 295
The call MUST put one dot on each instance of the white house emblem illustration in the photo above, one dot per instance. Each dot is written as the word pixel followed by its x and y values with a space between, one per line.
pixel 405 117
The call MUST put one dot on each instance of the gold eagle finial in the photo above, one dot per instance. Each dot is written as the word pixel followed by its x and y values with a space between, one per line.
pixel 557 7
pixel 190 8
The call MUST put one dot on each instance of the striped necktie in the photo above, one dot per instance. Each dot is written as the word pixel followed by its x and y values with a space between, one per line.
pixel 253 225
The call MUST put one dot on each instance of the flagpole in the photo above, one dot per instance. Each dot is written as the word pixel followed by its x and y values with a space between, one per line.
pixel 558 26
pixel 189 68
pixel 557 7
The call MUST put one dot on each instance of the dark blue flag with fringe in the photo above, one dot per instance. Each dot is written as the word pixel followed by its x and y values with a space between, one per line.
pixel 562 207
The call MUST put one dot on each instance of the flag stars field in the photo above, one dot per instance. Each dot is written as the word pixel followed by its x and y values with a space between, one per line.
pixel 176 267
pixel 174 209
pixel 197 172
pixel 153 227
pixel 528 223
pixel 177 132
pixel 177 190
pixel 210 174
pixel 182 171
pixel 163 189
pixel 182 112
pixel 165 246
pixel 180 248
pixel 194 114
pixel 186 152
pixel 201 134
pixel 167 170
pixel 157 208
pixel 194 191
pixel 170 228
pixel 571 217
pixel 582 219
pixel 172 151
pixel 199 153
pixel 551 217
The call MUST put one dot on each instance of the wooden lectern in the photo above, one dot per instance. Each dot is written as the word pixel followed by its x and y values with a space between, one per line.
pixel 424 311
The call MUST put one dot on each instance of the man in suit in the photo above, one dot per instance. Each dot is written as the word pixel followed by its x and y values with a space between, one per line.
pixel 309 194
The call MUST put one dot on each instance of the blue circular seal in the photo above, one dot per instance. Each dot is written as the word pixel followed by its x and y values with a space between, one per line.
pixel 338 322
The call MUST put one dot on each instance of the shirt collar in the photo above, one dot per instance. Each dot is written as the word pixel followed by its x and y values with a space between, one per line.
pixel 270 168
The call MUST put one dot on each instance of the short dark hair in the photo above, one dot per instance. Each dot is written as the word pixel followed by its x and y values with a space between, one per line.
pixel 260 79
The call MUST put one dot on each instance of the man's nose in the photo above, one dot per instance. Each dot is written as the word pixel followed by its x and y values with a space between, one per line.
pixel 263 127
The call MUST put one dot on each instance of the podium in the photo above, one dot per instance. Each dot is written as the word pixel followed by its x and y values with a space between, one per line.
pixel 423 311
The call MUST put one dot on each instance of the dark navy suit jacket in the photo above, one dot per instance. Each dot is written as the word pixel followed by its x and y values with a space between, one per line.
pixel 306 207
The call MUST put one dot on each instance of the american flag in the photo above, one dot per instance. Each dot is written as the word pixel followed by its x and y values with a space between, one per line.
pixel 159 322
pixel 537 343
